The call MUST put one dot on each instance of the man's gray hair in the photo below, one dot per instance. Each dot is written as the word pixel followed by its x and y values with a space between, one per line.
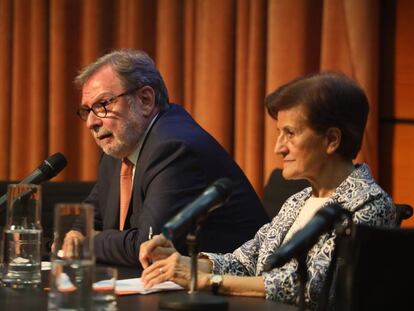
pixel 134 68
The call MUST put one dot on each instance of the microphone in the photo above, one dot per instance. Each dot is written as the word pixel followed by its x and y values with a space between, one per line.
pixel 208 201
pixel 323 221
pixel 50 167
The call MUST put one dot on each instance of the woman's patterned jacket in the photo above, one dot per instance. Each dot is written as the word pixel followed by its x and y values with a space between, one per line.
pixel 358 193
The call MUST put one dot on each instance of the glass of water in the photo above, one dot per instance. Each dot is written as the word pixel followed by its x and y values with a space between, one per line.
pixel 22 236
pixel 72 258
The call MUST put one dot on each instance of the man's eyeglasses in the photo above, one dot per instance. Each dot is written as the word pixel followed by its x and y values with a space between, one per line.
pixel 99 108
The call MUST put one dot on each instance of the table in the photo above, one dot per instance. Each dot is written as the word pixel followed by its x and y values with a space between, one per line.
pixel 36 299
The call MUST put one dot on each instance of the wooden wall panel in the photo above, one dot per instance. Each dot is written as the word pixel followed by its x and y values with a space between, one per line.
pixel 404 60
pixel 403 159
pixel 397 104
pixel 397 153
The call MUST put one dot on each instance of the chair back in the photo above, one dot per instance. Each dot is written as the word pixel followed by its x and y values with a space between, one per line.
pixel 374 269
pixel 404 211
pixel 278 190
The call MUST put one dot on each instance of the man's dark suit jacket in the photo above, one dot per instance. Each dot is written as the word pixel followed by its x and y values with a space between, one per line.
pixel 178 160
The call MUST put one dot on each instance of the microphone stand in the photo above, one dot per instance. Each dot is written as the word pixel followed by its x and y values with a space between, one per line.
pixel 336 294
pixel 303 278
pixel 193 251
pixel 193 300
pixel 340 229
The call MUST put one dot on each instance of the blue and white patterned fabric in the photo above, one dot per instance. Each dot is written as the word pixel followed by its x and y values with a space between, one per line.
pixel 358 193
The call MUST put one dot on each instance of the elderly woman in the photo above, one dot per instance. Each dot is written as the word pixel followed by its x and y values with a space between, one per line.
pixel 320 123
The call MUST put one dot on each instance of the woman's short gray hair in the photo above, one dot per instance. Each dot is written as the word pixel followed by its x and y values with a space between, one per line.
pixel 331 99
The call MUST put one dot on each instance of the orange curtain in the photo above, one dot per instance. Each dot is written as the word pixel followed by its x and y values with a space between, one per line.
pixel 219 59
pixel 350 43
pixel 293 49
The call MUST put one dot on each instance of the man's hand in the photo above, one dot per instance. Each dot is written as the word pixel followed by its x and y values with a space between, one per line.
pixel 71 245
pixel 155 249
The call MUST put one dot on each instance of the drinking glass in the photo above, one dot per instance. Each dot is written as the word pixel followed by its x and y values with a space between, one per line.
pixel 72 258
pixel 22 236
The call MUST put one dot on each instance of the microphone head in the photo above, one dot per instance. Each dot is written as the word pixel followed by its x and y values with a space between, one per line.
pixel 223 187
pixel 53 165
pixel 198 209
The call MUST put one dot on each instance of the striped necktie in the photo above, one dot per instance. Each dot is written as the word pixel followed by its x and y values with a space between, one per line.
pixel 125 183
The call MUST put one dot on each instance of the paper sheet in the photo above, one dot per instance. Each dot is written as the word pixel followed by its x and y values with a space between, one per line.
pixel 126 286
pixel 46 265
pixel 135 286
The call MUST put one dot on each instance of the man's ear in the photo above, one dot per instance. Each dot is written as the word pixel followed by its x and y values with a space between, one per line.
pixel 147 96
pixel 333 136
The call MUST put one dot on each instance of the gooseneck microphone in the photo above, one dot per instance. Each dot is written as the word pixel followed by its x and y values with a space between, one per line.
pixel 323 221
pixel 209 200
pixel 189 220
pixel 50 167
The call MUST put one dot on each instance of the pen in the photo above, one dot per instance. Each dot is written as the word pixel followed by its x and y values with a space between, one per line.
pixel 150 234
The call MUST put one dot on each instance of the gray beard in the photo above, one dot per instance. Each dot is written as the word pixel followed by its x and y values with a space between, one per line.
pixel 132 132
pixel 126 144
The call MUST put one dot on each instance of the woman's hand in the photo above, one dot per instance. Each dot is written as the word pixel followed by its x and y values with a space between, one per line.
pixel 155 249
pixel 175 268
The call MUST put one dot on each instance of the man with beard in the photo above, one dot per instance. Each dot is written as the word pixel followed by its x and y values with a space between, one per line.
pixel 155 150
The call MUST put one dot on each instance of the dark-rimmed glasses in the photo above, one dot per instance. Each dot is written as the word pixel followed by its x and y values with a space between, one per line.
pixel 99 108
